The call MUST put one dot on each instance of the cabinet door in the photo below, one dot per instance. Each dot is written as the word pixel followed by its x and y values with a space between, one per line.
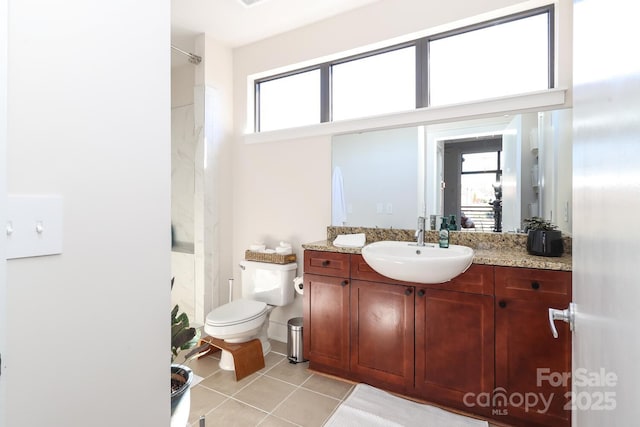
pixel 326 322
pixel 454 346
pixel 529 361
pixel 382 345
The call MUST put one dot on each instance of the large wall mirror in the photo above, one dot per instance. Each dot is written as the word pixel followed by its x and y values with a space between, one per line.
pixel 511 167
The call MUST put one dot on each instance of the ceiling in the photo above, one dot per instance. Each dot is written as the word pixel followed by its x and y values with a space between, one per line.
pixel 234 24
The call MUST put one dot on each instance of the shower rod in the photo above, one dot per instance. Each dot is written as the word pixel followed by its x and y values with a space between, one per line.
pixel 193 58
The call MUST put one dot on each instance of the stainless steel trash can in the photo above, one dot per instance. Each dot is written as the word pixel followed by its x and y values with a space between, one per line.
pixel 294 340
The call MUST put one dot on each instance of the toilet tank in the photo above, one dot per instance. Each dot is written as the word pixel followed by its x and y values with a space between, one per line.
pixel 267 282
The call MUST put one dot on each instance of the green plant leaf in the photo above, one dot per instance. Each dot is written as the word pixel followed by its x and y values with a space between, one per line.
pixel 537 223
pixel 183 337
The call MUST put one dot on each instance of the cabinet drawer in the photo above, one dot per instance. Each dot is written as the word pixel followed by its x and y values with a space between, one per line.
pixel 326 263
pixel 526 283
pixel 478 279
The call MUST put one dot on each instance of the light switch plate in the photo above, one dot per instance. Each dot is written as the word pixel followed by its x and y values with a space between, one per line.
pixel 34 225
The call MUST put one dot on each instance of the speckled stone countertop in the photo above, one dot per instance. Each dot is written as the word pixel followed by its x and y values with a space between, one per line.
pixel 503 249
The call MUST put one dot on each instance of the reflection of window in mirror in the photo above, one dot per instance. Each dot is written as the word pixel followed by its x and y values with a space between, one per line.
pixel 472 170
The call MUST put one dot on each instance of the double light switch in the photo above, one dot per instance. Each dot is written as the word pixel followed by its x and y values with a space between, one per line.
pixel 34 226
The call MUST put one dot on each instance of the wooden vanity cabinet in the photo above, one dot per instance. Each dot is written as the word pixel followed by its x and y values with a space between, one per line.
pixel 434 342
pixel 454 338
pixel 326 311
pixel 382 339
pixel 526 351
pixel 485 333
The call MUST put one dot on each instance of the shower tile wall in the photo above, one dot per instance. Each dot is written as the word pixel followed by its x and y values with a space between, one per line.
pixel 183 150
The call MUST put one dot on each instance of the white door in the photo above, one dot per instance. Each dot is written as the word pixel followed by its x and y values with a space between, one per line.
pixel 606 194
pixel 3 203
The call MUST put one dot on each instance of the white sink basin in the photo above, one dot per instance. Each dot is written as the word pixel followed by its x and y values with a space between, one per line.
pixel 422 264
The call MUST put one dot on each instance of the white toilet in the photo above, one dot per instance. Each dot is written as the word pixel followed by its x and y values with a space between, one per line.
pixel 264 286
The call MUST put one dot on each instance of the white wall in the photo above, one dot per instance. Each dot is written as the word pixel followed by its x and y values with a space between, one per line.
pixel 527 193
pixel 88 334
pixel 282 189
pixel 3 205
pixel 556 175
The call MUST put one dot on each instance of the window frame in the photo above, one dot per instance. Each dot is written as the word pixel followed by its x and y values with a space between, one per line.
pixel 368 54
pixel 422 62
pixel 549 10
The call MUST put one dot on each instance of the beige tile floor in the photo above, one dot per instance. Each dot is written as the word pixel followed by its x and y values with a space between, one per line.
pixel 279 395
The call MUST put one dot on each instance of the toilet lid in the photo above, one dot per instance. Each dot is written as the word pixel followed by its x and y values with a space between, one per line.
pixel 238 311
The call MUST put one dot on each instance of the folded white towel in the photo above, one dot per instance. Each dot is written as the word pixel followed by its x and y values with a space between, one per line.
pixel 257 247
pixel 283 251
pixel 350 240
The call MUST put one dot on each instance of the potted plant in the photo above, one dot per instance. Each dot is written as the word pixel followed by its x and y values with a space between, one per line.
pixel 543 238
pixel 183 337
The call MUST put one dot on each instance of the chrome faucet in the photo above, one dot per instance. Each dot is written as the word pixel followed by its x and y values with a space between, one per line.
pixel 420 231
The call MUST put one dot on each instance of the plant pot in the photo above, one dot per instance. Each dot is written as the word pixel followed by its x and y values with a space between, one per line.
pixel 545 243
pixel 181 377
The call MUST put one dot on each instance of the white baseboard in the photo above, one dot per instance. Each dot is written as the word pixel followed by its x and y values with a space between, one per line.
pixel 277 331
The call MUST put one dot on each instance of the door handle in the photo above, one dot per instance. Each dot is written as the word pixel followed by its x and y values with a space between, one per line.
pixel 567 315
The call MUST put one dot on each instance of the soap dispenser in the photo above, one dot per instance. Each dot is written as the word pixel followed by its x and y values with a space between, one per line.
pixel 444 233
pixel 452 223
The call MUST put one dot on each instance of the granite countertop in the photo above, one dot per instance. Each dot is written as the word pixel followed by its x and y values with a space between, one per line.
pixel 499 249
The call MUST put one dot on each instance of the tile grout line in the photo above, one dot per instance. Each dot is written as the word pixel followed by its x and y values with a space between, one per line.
pixel 297 387
pixel 284 400
pixel 265 374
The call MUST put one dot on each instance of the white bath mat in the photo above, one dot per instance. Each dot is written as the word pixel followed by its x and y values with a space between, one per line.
pixel 196 380
pixel 370 407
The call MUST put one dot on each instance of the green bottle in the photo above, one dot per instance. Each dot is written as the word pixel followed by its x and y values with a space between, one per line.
pixel 452 223
pixel 444 233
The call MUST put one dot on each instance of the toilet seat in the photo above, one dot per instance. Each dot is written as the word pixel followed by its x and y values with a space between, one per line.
pixel 236 312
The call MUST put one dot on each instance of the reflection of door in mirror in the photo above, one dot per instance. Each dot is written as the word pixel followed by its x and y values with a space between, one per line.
pixel 512 172
pixel 472 170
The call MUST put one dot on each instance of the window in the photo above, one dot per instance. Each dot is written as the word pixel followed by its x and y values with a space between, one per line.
pixel 490 62
pixel 507 56
pixel 377 84
pixel 289 101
